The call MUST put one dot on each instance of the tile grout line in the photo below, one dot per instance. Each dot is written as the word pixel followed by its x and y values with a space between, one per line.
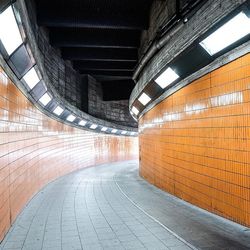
pixel 154 219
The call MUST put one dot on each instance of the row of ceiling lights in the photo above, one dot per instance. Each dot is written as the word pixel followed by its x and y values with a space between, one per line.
pixel 11 39
pixel 227 34
pixel 31 79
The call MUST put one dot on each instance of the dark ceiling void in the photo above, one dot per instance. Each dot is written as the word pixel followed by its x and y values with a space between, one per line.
pixel 96 54
pixel 100 37
pixel 117 90
pixel 94 38
pixel 117 14
pixel 101 65
pixel 107 73
pixel 104 78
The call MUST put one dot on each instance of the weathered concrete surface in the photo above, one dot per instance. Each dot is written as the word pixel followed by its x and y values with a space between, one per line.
pixel 209 14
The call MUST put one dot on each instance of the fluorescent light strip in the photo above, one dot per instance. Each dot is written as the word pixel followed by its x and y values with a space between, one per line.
pixel 114 131
pixel 104 129
pixel 31 78
pixel 166 78
pixel 45 99
pixel 144 99
pixel 82 123
pixel 132 133
pixel 58 110
pixel 135 110
pixel 233 30
pixel 93 126
pixel 124 132
pixel 9 31
pixel 71 118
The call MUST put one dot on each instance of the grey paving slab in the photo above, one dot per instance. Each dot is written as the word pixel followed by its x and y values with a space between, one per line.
pixel 111 207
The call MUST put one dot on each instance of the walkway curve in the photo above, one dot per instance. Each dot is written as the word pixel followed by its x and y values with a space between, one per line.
pixel 111 207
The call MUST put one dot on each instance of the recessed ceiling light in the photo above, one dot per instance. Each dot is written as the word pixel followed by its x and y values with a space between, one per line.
pixel 233 30
pixel 9 31
pixel 114 131
pixel 82 123
pixel 31 78
pixel 135 110
pixel 144 99
pixel 71 118
pixel 58 110
pixel 166 78
pixel 124 132
pixel 104 129
pixel 132 133
pixel 45 99
pixel 93 126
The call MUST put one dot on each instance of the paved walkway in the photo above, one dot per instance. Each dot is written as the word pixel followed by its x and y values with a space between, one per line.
pixel 111 207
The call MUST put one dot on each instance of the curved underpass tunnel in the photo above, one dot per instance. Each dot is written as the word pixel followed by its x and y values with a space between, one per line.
pixel 111 207
pixel 124 124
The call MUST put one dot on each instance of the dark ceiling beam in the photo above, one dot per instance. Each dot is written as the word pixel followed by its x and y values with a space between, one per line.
pixel 99 54
pixel 94 14
pixel 103 38
pixel 103 78
pixel 104 59
pixel 119 82
pixel 107 70
pixel 81 65
pixel 107 73
pixel 57 20
pixel 123 5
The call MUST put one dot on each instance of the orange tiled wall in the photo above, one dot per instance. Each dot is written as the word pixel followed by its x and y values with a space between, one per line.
pixel 196 143
pixel 35 149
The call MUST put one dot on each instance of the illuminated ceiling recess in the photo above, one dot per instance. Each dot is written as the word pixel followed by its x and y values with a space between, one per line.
pixel 9 31
pixel 15 50
pixel 58 110
pixel 71 118
pixel 229 34
pixel 135 110
pixel 233 30
pixel 45 99
pixel 31 78
pixel 144 99
pixel 82 123
pixel 104 129
pixel 166 78
pixel 93 126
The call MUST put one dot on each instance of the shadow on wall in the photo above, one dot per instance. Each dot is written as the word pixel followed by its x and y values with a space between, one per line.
pixel 35 149
pixel 195 144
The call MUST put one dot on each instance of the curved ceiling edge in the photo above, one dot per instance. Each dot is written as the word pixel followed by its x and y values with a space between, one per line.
pixel 177 64
pixel 21 61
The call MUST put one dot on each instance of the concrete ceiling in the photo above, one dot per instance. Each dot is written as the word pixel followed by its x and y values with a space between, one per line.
pixel 100 37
